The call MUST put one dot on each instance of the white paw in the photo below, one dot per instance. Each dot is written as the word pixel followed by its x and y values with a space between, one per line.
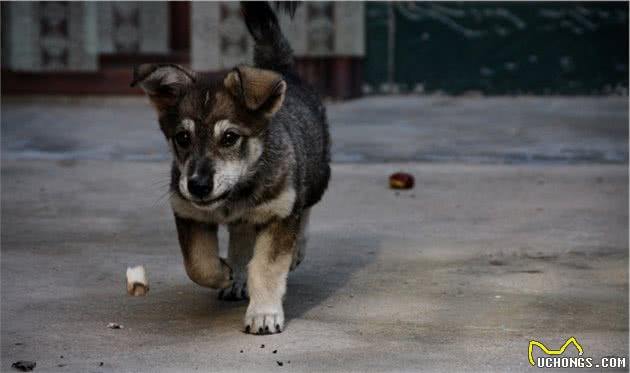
pixel 236 291
pixel 267 319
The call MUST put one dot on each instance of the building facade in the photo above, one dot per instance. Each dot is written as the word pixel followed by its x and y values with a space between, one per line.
pixel 90 47
pixel 344 49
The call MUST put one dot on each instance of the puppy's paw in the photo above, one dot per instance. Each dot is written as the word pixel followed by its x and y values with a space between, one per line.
pixel 267 319
pixel 236 291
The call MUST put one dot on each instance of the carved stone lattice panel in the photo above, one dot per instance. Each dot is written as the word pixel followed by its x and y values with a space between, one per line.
pixel 45 36
pixel 126 27
pixel 321 29
pixel 220 39
pixel 133 27
pixel 54 35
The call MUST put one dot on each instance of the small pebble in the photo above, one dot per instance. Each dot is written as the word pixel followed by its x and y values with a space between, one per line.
pixel 274 351
pixel 262 346
pixel 100 364
pixel 279 363
pixel 241 351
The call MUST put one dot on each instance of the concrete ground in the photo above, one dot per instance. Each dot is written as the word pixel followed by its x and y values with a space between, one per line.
pixel 375 129
pixel 498 246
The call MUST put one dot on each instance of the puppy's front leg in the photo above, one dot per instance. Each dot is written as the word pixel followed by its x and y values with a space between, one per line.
pixel 267 275
pixel 201 254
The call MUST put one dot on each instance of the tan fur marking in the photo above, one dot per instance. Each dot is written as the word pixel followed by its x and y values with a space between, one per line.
pixel 278 207
pixel 258 88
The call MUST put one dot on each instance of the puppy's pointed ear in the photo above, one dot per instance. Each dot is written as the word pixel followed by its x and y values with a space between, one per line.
pixel 163 83
pixel 260 91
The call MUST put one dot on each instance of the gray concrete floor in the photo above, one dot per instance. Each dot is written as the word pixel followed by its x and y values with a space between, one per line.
pixel 458 274
pixel 508 130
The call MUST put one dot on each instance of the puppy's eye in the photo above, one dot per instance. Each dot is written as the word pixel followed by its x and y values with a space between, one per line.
pixel 229 138
pixel 182 139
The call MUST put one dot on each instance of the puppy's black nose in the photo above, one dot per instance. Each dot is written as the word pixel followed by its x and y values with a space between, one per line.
pixel 199 186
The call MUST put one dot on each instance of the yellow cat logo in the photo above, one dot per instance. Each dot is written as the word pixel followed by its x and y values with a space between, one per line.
pixel 553 352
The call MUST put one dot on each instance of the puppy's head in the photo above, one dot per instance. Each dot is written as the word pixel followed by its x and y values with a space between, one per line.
pixel 214 128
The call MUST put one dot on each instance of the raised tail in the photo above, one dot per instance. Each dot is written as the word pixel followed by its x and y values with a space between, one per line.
pixel 272 50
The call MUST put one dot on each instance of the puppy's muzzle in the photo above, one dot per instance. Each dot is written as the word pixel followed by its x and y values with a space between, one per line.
pixel 200 186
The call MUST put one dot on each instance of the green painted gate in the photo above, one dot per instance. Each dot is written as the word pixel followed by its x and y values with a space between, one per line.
pixel 497 48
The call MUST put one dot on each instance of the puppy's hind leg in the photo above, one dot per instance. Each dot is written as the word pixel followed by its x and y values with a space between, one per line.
pixel 241 246
pixel 300 246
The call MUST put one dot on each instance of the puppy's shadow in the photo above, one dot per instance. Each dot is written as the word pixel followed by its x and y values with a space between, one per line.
pixel 331 259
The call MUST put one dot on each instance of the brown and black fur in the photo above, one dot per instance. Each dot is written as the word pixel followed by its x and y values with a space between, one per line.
pixel 275 171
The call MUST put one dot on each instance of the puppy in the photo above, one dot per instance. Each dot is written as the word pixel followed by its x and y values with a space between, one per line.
pixel 250 150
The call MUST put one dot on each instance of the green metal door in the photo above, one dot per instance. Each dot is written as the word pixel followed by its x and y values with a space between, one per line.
pixel 497 48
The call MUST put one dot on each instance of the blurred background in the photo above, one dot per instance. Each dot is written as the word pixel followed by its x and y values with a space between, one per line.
pixel 345 49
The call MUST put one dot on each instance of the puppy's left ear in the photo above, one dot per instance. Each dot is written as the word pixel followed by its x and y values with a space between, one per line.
pixel 163 83
pixel 260 91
